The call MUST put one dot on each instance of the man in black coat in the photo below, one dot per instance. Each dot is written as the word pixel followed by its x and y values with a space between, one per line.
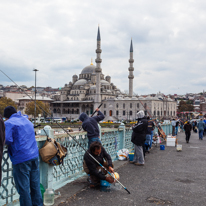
pixel 138 138
pixel 95 170
pixel 2 140
pixel 188 128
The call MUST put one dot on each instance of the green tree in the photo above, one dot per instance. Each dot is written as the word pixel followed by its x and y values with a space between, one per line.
pixel 185 106
pixel 4 102
pixel 39 104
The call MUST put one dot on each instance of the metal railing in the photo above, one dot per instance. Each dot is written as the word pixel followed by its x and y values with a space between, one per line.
pixel 55 177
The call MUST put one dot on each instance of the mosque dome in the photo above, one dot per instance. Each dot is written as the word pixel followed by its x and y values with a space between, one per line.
pixel 104 82
pixel 93 87
pixel 80 82
pixel 89 69
pixel 75 76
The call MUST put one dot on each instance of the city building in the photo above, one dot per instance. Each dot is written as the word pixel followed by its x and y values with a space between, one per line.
pixel 91 88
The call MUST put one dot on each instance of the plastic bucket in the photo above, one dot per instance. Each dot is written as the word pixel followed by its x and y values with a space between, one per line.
pixel 162 147
pixel 131 156
pixel 104 183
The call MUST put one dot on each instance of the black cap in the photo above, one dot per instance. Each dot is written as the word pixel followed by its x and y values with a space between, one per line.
pixel 8 111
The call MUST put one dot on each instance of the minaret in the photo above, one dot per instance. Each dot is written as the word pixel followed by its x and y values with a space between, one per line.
pixel 131 69
pixel 98 71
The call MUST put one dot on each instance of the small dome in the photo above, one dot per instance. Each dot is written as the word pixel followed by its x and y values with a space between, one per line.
pixel 80 82
pixel 127 98
pixel 75 76
pixel 88 70
pixel 141 98
pixel 104 82
pixel 134 98
pixel 149 98
pixel 93 87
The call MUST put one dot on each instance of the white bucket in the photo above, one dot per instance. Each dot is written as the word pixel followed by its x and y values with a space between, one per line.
pixel 179 147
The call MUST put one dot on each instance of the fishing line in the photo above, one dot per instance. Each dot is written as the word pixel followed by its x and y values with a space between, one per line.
pixel 69 134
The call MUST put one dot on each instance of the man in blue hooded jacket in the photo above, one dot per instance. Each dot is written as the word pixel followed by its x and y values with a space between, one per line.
pixel 23 152
pixel 90 124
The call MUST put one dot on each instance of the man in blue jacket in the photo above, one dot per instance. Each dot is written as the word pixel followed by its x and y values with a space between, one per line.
pixel 90 124
pixel 23 152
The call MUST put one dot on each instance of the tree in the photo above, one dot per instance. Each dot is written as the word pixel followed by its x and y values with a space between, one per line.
pixel 4 102
pixel 185 106
pixel 39 104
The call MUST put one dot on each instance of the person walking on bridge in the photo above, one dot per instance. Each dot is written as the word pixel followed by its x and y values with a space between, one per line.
pixel 187 128
pixel 201 127
pixel 90 124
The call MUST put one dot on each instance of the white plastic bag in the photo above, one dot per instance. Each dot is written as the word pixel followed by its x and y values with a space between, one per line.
pixel 123 154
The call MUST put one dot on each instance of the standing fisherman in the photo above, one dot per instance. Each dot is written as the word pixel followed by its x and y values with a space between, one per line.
pixel 24 154
pixel 2 140
pixel 138 138
pixel 90 124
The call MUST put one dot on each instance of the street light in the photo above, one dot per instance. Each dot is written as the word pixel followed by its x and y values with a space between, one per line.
pixel 35 70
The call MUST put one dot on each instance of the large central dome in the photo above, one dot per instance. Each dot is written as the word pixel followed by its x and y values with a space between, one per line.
pixel 88 70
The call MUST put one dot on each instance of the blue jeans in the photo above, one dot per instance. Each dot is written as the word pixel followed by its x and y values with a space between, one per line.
pixel 151 139
pixel 176 130
pixel 27 181
pixel 201 134
pixel 94 139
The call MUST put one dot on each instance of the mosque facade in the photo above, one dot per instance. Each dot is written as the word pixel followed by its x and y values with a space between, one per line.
pixel 91 88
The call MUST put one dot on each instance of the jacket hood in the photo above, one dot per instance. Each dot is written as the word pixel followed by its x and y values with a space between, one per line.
pixel 83 116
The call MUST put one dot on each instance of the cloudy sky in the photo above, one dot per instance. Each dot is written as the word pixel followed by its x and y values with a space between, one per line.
pixel 59 39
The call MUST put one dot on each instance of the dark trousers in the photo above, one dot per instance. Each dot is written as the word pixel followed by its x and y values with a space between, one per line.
pixel 187 136
pixel 173 130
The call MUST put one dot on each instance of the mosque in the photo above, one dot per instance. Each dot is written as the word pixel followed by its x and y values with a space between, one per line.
pixel 86 92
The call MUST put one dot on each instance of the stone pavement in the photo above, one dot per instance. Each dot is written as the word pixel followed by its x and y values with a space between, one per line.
pixel 168 178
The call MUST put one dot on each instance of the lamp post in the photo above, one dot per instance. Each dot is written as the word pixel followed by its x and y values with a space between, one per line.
pixel 35 70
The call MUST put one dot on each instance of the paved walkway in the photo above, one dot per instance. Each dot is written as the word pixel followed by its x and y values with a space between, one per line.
pixel 168 178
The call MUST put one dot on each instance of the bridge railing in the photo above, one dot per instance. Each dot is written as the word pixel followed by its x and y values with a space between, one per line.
pixel 55 177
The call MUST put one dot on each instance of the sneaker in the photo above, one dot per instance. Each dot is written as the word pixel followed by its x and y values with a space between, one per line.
pixel 131 162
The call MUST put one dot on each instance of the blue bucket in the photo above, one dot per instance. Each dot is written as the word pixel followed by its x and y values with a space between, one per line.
pixel 131 156
pixel 162 147
pixel 104 183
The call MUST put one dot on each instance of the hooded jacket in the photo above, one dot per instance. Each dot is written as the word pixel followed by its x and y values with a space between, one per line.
pixel 90 125
pixel 20 139
pixel 139 132
pixel 2 140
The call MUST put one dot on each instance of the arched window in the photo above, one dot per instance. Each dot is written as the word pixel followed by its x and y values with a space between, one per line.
pixel 123 105
pixel 68 111
pixel 137 105
pixel 130 105
pixel 130 112
pixel 54 110
pixel 123 113
pixel 117 105
pixel 72 111
pixel 117 112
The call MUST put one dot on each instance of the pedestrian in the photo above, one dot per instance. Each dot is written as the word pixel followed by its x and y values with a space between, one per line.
pixel 205 126
pixel 23 152
pixel 173 126
pixel 187 128
pixel 91 167
pixel 2 140
pixel 201 127
pixel 150 130
pixel 177 127
pixel 90 124
pixel 138 138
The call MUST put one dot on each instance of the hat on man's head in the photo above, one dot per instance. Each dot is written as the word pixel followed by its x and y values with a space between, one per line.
pixel 8 111
pixel 140 114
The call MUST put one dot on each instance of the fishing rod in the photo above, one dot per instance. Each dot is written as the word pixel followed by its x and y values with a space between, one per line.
pixel 70 135
pixel 92 115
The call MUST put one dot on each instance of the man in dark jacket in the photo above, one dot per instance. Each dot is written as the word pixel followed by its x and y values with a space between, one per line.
pixel 24 153
pixel 138 138
pixel 90 124
pixel 95 170
pixel 2 140
pixel 187 128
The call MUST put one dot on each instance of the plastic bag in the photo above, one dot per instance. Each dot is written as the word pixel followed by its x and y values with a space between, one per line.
pixel 123 154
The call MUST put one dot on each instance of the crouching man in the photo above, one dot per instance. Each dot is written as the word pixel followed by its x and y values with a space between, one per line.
pixel 95 171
